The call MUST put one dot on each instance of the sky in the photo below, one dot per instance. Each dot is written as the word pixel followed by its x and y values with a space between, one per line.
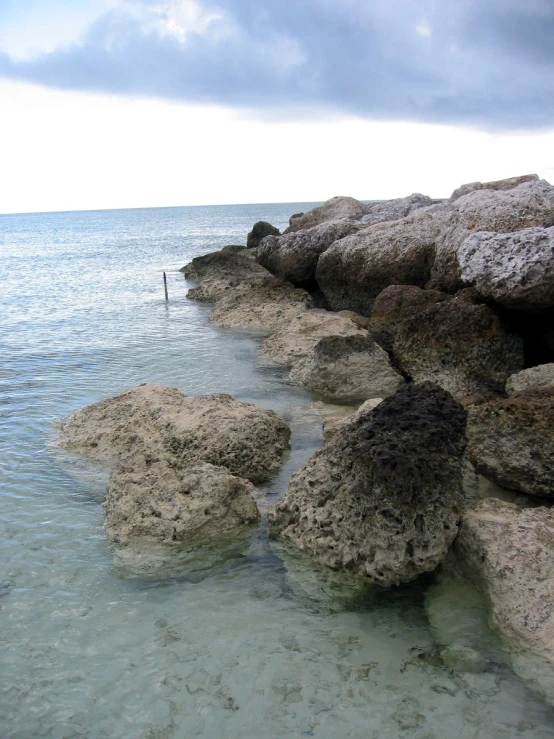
pixel 137 103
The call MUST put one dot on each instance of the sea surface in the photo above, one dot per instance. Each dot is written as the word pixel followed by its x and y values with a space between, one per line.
pixel 261 644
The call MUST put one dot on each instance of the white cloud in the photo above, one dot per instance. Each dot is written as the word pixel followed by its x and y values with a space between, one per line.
pixel 424 29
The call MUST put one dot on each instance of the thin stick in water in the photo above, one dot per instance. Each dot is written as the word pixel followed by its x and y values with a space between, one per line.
pixel 165 287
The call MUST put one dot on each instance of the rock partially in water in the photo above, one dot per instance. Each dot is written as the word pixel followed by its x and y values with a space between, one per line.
pixel 298 339
pixel 508 553
pixel 540 377
pixel 462 346
pixel 294 256
pixel 152 423
pixel 335 423
pixel 383 498
pixel 511 441
pixel 260 308
pixel 347 368
pixel 513 270
pixel 172 505
pixel 335 209
pixel 260 230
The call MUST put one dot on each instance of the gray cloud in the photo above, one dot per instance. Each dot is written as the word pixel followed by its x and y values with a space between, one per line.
pixel 488 63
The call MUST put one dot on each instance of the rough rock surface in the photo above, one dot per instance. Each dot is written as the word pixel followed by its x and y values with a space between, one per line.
pixel 335 209
pixel 515 270
pixel 511 441
pixel 354 270
pixel 161 502
pixel 383 498
pixel 153 422
pixel 527 205
pixel 534 378
pixel 395 304
pixel 393 210
pixel 506 184
pixel 334 423
pixel 260 230
pixel 298 339
pixel 294 256
pixel 461 346
pixel 220 271
pixel 260 308
pixel 508 553
pixel 347 368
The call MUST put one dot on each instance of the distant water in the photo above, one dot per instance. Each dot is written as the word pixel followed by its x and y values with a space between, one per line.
pixel 263 646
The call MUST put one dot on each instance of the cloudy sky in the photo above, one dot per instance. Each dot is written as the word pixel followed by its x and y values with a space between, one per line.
pixel 128 103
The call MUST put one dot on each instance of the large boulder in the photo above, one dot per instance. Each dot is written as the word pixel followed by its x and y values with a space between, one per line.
pixel 335 209
pixel 529 204
pixel 260 308
pixel 462 346
pixel 169 505
pixel 345 368
pixel 354 270
pixel 260 230
pixel 298 339
pixel 540 377
pixel 507 184
pixel 511 441
pixel 221 271
pixel 514 270
pixel 383 498
pixel 508 553
pixel 294 256
pixel 393 210
pixel 153 422
pixel 394 305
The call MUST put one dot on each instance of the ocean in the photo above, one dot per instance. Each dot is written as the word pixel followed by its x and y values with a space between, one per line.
pixel 263 644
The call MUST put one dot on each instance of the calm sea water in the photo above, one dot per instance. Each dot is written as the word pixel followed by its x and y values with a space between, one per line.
pixel 262 645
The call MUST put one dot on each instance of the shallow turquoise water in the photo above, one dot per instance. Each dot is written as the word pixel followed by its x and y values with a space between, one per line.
pixel 264 645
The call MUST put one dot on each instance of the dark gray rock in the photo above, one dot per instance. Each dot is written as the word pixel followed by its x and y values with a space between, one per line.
pixel 260 230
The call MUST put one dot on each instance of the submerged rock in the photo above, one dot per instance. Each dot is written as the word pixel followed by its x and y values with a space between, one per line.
pixel 347 368
pixel 260 308
pixel 511 441
pixel 514 270
pixel 294 256
pixel 335 209
pixel 462 346
pixel 355 269
pixel 382 499
pixel 534 378
pixel 508 553
pixel 153 423
pixel 260 230
pixel 170 505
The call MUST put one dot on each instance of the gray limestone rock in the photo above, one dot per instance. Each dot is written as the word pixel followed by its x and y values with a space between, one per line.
pixel 511 441
pixel 260 308
pixel 508 553
pixel 534 378
pixel 337 208
pixel 392 210
pixel 514 270
pixel 260 230
pixel 383 498
pixel 506 184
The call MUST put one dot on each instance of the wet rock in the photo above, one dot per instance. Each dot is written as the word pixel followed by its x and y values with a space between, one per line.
pixel 393 210
pixel 335 209
pixel 347 368
pixel 294 256
pixel 171 505
pixel 334 423
pixel 260 230
pixel 462 346
pixel 220 271
pixel 260 308
pixel 508 552
pixel 506 184
pixel 511 441
pixel 534 378
pixel 382 499
pixel 514 270
pixel 153 422
pixel 355 269
pixel 527 205
pixel 395 304
pixel 298 339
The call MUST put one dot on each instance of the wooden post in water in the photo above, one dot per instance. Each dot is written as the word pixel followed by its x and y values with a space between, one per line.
pixel 165 287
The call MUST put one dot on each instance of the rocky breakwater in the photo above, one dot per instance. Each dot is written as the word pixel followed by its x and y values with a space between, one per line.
pixel 382 499
pixel 182 467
